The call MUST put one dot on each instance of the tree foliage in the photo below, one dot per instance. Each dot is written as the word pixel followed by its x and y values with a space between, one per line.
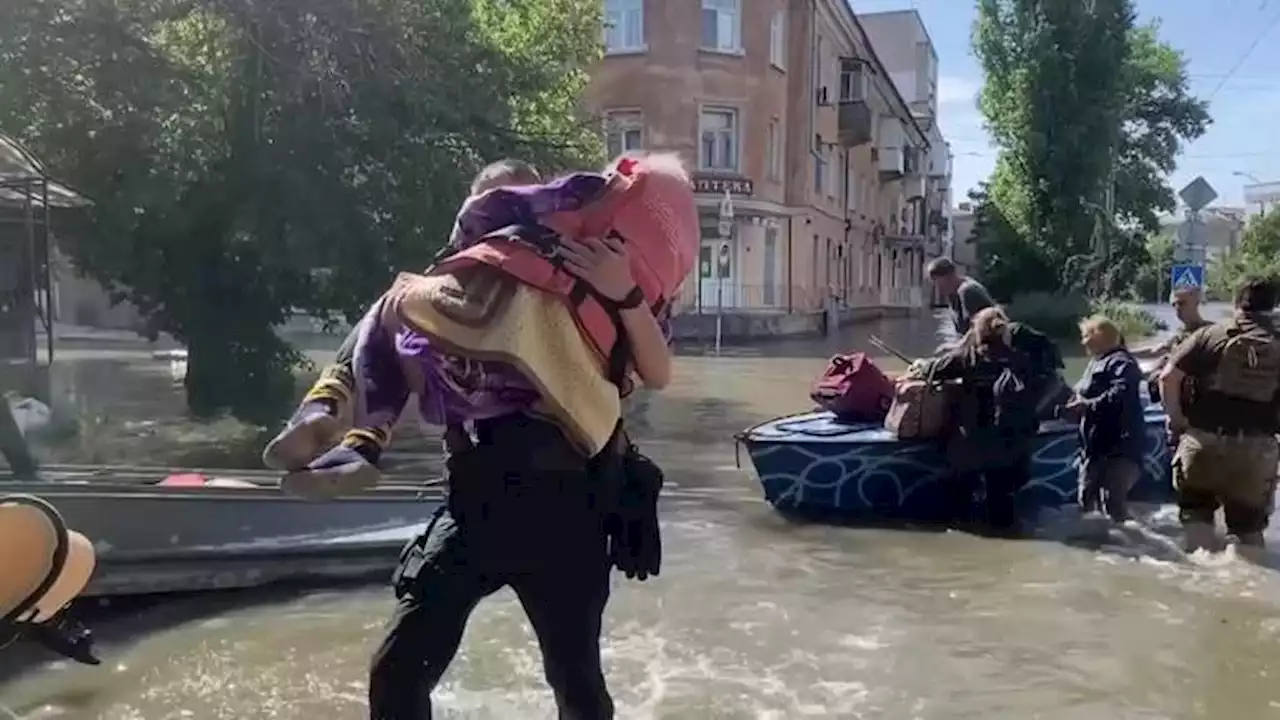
pixel 1257 256
pixel 247 160
pixel 1088 112
pixel 1160 117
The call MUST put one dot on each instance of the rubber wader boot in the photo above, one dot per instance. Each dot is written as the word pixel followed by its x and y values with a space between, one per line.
pixel 1200 536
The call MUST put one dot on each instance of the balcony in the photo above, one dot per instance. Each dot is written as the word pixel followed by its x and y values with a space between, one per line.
pixel 856 123
pixel 890 163
pixel 940 161
pixel 913 186
pixel 938 223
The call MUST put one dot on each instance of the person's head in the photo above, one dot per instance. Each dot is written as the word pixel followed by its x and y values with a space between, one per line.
pixel 1186 303
pixel 990 326
pixel 647 203
pixel 944 274
pixel 1098 335
pixel 507 171
pixel 1256 295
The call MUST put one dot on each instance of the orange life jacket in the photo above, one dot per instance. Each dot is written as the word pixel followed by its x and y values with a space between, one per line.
pixel 651 207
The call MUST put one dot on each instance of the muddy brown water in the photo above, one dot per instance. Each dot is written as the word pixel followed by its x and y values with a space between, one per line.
pixel 753 616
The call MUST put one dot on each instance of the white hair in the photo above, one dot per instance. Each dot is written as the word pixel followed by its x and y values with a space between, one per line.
pixel 1194 291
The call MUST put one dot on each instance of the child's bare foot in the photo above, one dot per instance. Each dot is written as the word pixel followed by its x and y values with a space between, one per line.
pixel 341 471
pixel 312 429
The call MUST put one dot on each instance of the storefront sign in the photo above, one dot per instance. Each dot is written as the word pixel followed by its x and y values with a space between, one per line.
pixel 716 185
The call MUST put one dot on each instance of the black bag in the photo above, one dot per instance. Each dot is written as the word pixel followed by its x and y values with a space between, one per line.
pixel 635 536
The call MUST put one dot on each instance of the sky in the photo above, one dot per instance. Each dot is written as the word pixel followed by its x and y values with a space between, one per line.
pixel 1232 49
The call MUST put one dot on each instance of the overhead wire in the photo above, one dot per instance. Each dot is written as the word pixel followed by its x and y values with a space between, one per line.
pixel 1248 52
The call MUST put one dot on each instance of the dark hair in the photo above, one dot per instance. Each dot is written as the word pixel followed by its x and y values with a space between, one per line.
pixel 506 168
pixel 940 267
pixel 1256 295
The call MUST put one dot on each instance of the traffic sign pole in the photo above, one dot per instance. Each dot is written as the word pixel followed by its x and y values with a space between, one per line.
pixel 721 271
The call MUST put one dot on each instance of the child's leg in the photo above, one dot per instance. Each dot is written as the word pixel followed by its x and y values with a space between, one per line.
pixel 316 423
pixel 382 390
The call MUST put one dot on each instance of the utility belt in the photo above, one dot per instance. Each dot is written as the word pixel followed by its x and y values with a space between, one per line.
pixel 497 492
pixel 1234 433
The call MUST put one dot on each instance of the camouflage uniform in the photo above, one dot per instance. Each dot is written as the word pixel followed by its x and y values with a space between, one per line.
pixel 1164 350
pixel 1228 455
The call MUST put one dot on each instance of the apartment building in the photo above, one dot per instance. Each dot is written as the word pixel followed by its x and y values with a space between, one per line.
pixel 785 107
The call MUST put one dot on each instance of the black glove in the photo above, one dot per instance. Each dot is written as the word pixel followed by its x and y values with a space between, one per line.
pixel 635 538
pixel 61 634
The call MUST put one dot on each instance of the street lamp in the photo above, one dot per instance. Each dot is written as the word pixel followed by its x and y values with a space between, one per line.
pixel 1262 204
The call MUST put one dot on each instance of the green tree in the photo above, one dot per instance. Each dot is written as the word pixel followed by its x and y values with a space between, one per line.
pixel 1151 282
pixel 1053 99
pixel 1079 101
pixel 1161 116
pixel 248 160
pixel 1257 256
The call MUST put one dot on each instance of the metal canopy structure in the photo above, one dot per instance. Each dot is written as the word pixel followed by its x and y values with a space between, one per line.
pixel 27 200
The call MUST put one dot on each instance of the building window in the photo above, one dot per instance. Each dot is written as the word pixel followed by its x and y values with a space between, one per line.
pixel 718 128
pixel 722 25
pixel 773 151
pixel 819 173
pixel 623 25
pixel 778 40
pixel 624 131
pixel 853 80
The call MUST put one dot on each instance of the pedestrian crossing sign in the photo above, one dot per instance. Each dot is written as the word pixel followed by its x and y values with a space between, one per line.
pixel 1187 276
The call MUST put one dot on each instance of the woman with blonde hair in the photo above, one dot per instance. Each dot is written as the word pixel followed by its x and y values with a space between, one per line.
pixel 1112 427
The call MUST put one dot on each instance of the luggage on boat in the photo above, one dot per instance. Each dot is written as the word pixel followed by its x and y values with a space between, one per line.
pixel 921 409
pixel 854 389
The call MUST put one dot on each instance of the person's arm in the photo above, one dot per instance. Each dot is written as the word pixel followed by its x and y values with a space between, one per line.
pixel 1188 358
pixel 649 346
pixel 952 365
pixel 1152 351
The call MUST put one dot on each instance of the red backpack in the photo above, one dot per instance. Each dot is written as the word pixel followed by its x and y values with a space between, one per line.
pixel 854 389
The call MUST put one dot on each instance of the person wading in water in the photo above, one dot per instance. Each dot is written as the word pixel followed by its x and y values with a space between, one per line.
pixel 532 334
pixel 1186 303
pixel 1226 450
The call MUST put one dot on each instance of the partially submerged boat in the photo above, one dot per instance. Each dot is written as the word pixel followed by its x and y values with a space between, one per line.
pixel 813 464
pixel 228 530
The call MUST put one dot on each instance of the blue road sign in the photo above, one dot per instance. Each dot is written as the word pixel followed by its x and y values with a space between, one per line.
pixel 1187 276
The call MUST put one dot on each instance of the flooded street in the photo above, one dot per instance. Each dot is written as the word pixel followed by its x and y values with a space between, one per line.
pixel 754 616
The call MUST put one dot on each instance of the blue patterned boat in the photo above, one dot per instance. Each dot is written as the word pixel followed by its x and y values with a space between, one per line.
pixel 814 464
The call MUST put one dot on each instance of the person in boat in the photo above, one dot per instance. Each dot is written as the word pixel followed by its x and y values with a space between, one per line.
pixel 1226 453
pixel 43 567
pixel 532 334
pixel 318 422
pixel 965 296
pixel 1186 303
pixel 1112 426
pixel 1003 366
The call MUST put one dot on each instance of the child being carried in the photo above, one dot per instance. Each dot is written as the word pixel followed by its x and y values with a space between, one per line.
pixel 508 325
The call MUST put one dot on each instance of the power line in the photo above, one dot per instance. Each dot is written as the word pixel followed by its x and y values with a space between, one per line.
pixel 1248 52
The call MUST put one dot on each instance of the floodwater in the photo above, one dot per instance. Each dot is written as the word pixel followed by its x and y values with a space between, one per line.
pixel 753 616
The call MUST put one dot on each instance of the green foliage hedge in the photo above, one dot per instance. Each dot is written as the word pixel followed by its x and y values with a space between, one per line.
pixel 1059 315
